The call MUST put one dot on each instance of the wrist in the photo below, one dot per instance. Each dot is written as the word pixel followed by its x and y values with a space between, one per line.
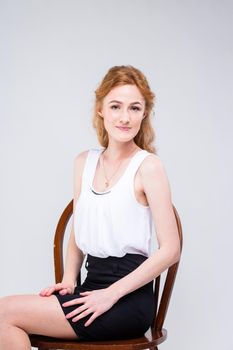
pixel 116 292
pixel 69 282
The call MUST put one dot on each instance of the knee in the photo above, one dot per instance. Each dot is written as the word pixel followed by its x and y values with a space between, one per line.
pixel 5 309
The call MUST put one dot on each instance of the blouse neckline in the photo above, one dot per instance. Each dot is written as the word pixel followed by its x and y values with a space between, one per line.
pixel 119 180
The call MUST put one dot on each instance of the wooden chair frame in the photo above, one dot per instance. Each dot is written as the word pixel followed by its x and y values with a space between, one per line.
pixel 153 337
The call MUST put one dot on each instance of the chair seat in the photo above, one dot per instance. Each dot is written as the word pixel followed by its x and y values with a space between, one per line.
pixel 147 341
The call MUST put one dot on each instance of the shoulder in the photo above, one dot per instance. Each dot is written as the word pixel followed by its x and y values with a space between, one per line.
pixel 80 158
pixel 79 162
pixel 152 165
pixel 153 173
pixel 154 179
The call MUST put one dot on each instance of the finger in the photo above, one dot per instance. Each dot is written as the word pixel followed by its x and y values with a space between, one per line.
pixel 91 319
pixel 46 292
pixel 65 291
pixel 58 287
pixel 53 289
pixel 76 311
pixel 86 293
pixel 74 302
pixel 83 314
pixel 50 291
pixel 42 292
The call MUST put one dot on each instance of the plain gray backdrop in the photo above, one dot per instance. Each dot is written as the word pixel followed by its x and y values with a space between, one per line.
pixel 53 55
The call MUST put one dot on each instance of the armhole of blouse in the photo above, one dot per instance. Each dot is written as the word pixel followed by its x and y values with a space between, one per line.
pixel 83 177
pixel 136 167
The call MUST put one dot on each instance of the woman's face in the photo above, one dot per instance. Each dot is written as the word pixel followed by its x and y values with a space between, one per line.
pixel 123 110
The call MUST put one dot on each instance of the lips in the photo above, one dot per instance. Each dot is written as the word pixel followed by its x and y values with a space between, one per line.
pixel 123 128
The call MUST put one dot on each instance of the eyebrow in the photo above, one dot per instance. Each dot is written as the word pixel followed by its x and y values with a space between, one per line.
pixel 133 103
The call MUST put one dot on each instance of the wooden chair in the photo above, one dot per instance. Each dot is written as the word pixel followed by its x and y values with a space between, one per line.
pixel 153 337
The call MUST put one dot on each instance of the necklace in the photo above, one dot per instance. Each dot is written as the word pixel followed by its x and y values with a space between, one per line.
pixel 108 179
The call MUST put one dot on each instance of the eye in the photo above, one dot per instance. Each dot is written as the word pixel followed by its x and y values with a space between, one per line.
pixel 135 108
pixel 114 107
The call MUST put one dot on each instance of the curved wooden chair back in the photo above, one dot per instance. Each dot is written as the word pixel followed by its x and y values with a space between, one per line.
pixel 156 335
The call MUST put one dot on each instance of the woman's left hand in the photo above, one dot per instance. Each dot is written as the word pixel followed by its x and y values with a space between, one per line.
pixel 96 302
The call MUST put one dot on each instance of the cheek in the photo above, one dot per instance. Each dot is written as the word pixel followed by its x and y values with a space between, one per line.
pixel 108 122
pixel 138 121
pixel 110 117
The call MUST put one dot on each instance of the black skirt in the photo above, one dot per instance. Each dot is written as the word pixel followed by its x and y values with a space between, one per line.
pixel 129 317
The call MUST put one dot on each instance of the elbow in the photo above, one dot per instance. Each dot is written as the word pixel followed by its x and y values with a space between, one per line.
pixel 175 254
pixel 176 258
pixel 172 254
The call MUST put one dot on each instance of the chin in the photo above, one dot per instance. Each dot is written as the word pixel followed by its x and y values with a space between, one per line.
pixel 125 138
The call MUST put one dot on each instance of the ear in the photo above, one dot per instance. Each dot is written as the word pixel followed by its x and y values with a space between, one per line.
pixel 100 114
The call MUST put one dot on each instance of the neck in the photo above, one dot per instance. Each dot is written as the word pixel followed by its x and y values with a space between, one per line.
pixel 120 150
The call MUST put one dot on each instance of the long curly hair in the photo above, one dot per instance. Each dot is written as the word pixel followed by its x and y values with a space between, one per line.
pixel 122 75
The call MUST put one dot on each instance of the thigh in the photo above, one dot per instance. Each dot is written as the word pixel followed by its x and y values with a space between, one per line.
pixel 36 315
pixel 130 317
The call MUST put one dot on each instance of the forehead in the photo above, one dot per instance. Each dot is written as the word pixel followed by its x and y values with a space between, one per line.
pixel 125 93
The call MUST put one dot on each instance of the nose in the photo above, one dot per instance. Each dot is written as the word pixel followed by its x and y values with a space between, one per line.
pixel 125 117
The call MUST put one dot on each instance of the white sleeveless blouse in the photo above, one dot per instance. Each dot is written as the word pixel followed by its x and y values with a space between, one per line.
pixel 112 223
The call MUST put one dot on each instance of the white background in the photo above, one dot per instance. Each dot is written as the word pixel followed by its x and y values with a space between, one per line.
pixel 53 55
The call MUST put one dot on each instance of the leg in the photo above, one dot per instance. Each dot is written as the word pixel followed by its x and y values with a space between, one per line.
pixel 31 314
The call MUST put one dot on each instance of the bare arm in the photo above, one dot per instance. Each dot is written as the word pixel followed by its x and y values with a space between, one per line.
pixel 157 190
pixel 74 256
pixel 73 263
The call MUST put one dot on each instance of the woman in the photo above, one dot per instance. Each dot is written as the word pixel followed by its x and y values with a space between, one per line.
pixel 120 192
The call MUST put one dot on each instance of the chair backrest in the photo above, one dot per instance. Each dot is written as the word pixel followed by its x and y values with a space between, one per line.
pixel 161 303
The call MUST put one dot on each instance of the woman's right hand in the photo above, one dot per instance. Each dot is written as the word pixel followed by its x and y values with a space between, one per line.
pixel 63 289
